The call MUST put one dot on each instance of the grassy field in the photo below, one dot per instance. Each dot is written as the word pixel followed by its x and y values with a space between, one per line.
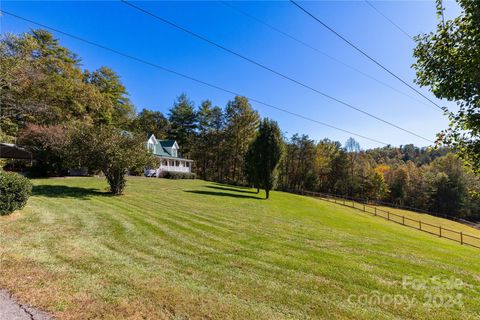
pixel 449 224
pixel 192 249
pixel 450 229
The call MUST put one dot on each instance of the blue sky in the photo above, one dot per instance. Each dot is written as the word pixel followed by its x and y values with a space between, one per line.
pixel 120 27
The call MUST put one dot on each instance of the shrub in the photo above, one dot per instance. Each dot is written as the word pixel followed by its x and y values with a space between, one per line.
pixel 14 192
pixel 179 175
pixel 111 150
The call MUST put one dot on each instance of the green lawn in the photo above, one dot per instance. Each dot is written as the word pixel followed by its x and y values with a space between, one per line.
pixel 193 249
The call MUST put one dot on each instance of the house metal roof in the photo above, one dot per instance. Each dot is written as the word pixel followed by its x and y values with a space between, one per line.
pixel 163 148
pixel 11 151
pixel 167 143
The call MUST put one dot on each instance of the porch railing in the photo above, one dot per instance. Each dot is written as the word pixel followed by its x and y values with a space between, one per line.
pixel 174 168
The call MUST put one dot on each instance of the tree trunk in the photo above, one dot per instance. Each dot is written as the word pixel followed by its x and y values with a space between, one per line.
pixel 116 180
pixel 267 193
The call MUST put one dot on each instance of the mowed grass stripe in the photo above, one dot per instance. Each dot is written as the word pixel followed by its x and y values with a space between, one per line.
pixel 268 267
pixel 142 221
pixel 164 250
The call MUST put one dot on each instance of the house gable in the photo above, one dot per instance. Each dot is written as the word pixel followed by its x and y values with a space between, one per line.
pixel 152 140
pixel 171 147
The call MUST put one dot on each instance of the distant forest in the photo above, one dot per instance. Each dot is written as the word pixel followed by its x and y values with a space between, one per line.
pixel 45 91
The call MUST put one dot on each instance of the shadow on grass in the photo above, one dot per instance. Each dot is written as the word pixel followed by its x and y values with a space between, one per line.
pixel 223 194
pixel 231 189
pixel 225 185
pixel 67 192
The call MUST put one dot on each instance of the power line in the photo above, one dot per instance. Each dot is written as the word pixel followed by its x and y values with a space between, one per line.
pixel 140 60
pixel 363 52
pixel 389 20
pixel 323 53
pixel 274 71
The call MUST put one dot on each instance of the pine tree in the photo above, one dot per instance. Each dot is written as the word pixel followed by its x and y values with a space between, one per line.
pixel 183 123
pixel 217 138
pixel 202 149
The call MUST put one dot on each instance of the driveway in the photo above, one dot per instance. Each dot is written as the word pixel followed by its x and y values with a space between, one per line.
pixel 10 309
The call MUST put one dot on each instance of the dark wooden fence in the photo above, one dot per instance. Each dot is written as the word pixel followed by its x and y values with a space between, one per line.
pixel 437 230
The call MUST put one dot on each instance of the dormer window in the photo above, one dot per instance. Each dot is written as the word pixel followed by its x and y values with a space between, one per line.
pixel 174 151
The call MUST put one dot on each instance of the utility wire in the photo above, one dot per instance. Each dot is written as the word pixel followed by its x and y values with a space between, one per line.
pixel 324 53
pixel 273 71
pixel 389 20
pixel 363 52
pixel 151 64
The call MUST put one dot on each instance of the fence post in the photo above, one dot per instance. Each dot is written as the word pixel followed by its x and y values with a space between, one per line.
pixel 420 224
pixel 461 237
pixel 440 229
pixel 403 220
pixel 388 215
pixel 375 211
pixel 363 207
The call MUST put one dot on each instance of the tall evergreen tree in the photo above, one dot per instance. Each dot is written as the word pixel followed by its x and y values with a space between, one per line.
pixel 183 123
pixel 203 146
pixel 218 143
pixel 264 156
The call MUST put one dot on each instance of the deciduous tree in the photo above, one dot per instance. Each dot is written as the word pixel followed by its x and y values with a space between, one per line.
pixel 448 62
pixel 118 110
pixel 241 125
pixel 48 146
pixel 149 122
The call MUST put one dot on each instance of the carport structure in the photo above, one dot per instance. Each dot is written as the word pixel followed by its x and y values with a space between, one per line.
pixel 11 151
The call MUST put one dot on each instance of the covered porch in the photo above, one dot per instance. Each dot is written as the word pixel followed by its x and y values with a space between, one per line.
pixel 176 165
pixel 169 164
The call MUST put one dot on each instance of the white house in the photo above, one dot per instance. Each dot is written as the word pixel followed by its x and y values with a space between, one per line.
pixel 168 156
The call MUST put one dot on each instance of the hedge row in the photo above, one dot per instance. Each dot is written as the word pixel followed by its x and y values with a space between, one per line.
pixel 178 175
